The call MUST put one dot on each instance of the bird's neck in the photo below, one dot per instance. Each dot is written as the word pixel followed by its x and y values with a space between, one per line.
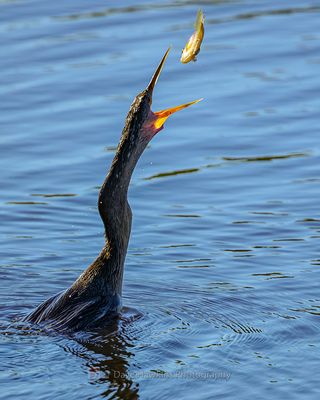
pixel 115 212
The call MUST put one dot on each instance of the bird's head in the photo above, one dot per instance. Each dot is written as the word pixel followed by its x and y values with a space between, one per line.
pixel 142 124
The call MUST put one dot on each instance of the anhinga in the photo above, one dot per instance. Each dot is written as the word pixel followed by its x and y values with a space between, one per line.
pixel 95 296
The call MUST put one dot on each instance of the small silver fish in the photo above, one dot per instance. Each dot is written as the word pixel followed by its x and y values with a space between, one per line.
pixel 192 47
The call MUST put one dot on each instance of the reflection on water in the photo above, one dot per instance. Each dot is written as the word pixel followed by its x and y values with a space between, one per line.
pixel 227 159
pixel 273 275
pixel 278 12
pixel 53 194
pixel 283 11
pixel 222 270
pixel 182 215
pixel 26 202
pixel 265 158
pixel 110 11
pixel 173 173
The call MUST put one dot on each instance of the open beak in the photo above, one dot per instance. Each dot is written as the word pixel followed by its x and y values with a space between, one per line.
pixel 161 116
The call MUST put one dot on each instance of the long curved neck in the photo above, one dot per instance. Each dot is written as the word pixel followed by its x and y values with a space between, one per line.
pixel 115 211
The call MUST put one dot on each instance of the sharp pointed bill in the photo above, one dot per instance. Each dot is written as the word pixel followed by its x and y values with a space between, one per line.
pixel 164 114
pixel 156 75
pixel 157 119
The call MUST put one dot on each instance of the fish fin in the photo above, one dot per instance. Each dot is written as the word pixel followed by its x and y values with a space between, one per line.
pixel 199 21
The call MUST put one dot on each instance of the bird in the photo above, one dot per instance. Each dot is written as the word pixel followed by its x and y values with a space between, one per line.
pixel 95 296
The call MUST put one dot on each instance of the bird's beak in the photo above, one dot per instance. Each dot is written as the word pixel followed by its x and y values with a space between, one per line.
pixel 161 116
pixel 156 75
pixel 164 114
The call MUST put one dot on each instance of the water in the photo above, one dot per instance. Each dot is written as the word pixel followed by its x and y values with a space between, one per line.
pixel 224 257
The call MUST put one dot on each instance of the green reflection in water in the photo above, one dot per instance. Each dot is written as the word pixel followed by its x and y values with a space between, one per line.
pixel 266 158
pixel 26 202
pixel 172 173
pixel 53 195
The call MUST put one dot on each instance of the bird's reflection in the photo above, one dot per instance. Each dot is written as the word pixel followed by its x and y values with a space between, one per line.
pixel 108 354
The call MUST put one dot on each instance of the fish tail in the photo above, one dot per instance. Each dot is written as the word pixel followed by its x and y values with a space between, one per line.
pixel 199 21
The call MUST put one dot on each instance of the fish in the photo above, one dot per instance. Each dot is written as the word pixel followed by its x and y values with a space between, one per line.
pixel 192 47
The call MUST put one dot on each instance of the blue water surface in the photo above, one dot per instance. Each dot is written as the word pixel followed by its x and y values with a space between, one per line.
pixel 223 262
